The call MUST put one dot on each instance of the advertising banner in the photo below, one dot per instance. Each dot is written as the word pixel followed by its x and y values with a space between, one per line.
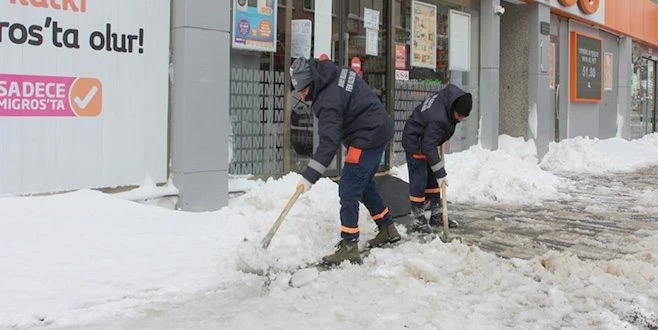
pixel 423 32
pixel 254 25
pixel 83 93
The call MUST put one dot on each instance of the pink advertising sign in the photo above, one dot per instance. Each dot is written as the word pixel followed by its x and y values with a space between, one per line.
pixel 49 96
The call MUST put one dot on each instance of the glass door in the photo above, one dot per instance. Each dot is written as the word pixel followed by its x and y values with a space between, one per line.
pixel 366 31
pixel 643 114
pixel 651 96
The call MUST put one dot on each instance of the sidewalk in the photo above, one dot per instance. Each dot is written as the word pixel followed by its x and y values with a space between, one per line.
pixel 603 219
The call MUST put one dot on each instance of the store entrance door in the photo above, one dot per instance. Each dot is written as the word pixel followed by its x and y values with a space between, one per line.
pixel 558 50
pixel 643 114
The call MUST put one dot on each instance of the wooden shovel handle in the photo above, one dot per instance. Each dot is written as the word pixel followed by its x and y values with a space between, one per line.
pixel 444 206
pixel 268 238
pixel 444 200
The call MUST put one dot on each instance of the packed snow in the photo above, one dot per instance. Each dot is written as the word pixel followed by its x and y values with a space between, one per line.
pixel 91 259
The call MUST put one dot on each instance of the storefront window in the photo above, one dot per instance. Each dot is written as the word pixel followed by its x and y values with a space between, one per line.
pixel 422 64
pixel 366 43
pixel 643 119
pixel 257 95
pixel 257 104
pixel 258 79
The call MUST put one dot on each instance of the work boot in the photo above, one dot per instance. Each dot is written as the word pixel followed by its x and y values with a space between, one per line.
pixel 387 234
pixel 420 223
pixel 436 219
pixel 345 250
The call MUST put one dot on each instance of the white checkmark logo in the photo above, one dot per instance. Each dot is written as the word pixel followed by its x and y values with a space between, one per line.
pixel 83 103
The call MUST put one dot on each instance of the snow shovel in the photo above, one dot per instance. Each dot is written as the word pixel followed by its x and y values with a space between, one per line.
pixel 445 237
pixel 268 238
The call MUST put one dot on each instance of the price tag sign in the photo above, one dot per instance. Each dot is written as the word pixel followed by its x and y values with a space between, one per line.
pixel 401 75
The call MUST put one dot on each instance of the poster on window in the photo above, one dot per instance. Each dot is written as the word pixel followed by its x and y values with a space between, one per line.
pixel 423 31
pixel 254 25
pixel 607 71
pixel 370 19
pixel 459 42
pixel 372 42
pixel 302 30
pixel 400 56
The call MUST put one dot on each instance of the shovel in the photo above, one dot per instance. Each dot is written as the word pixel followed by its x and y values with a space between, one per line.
pixel 445 237
pixel 268 238
pixel 253 259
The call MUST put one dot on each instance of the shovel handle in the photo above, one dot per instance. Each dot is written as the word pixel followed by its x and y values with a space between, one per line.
pixel 444 208
pixel 444 202
pixel 268 238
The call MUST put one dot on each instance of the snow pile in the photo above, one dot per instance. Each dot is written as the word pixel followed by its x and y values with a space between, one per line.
pixel 594 156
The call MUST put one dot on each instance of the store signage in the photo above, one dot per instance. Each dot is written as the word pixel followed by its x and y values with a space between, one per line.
pixel 588 7
pixel 586 67
pixel 591 10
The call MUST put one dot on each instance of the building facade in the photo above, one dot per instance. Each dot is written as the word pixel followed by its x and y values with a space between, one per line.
pixel 590 69
pixel 520 59
pixel 209 97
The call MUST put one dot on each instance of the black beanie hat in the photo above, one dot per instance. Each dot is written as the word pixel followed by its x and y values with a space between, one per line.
pixel 463 104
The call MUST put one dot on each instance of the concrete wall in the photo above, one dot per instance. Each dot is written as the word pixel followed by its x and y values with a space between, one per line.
pixel 583 117
pixel 608 106
pixel 541 115
pixel 514 57
pixel 490 51
pixel 200 103
pixel 624 94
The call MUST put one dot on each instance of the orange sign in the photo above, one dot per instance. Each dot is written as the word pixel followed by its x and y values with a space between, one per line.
pixel 588 7
pixel 586 67
pixel 400 56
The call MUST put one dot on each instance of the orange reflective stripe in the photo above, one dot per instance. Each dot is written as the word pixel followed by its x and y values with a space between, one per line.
pixel 353 155
pixel 433 190
pixel 349 230
pixel 417 199
pixel 419 156
pixel 380 215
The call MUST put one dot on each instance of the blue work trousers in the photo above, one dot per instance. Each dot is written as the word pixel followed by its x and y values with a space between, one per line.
pixel 423 187
pixel 356 185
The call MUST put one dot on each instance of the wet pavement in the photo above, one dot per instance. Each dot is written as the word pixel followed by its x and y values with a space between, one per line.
pixel 602 219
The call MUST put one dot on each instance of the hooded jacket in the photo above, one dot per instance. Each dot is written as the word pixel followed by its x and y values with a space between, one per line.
pixel 431 124
pixel 348 112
